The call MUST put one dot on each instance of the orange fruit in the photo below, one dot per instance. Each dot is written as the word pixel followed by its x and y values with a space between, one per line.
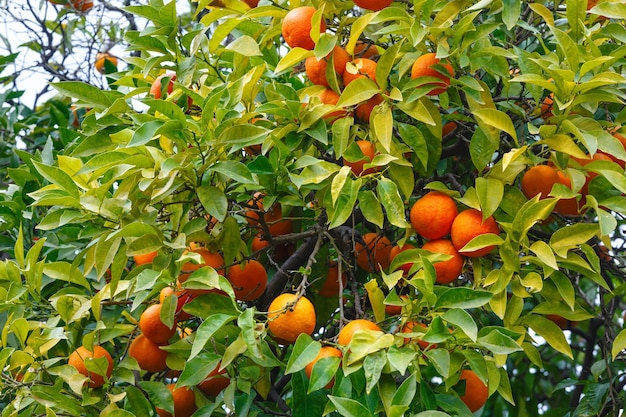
pixel 426 66
pixel 366 50
pixel 363 111
pixel 598 156
pixel 365 68
pixel 101 59
pixel 374 253
pixel 248 279
pixel 392 310
pixel 289 316
pixel 297 25
pixel 567 206
pixel 467 225
pixel 369 151
pixel 153 328
pixel 560 321
pixel 212 259
pixel 184 402
pixel 345 334
pixel 149 356
pixel 328 96
pixel 182 297
pixel 446 271
pixel 79 356
pixel 374 5
pixel 408 328
pixel 215 382
pixel 546 106
pixel 448 128
pixel 156 89
pixel 82 6
pixel 272 217
pixel 145 258
pixel 330 288
pixel 316 70
pixel 432 215
pixel 396 250
pixel 622 140
pixel 476 391
pixel 325 352
pixel 539 180
pixel 259 243
pixel 252 3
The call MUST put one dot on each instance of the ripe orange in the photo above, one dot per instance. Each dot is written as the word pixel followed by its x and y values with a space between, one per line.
pixel 325 352
pixel 153 328
pixel 183 297
pixel 539 180
pixel 149 356
pixel 369 151
pixel 212 259
pixel 476 391
pixel 622 140
pixel 297 27
pixel 328 96
pixel 248 279
pixel 82 6
pixel 145 258
pixel 374 253
pixel 432 215
pixel 330 288
pixel 184 402
pixel 252 3
pixel 215 382
pixel 546 106
pixel 101 59
pixel 366 50
pixel 272 217
pixel 395 251
pixel 365 68
pixel 446 271
pixel 79 356
pixel 259 243
pixel 426 66
pixel 156 89
pixel 316 70
pixel 448 128
pixel 568 206
pixel 598 156
pixel 408 328
pixel 289 316
pixel 363 111
pixel 374 5
pixel 345 334
pixel 392 310
pixel 467 225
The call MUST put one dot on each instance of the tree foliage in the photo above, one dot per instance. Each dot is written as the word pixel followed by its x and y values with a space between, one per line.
pixel 112 172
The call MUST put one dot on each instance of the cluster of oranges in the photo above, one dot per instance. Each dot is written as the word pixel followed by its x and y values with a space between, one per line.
pixel 539 180
pixel 297 27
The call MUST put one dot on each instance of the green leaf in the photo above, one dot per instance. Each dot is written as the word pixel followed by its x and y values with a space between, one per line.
pixel 53 396
pixel 197 369
pixel 88 94
pixel 347 407
pixel 207 329
pixel 342 210
pixel 619 344
pixel 497 119
pixel 462 298
pixel 392 202
pixel 572 236
pixel 245 45
pixel 550 332
pixel 463 320
pixel 490 193
pixel 567 47
pixel 358 91
pixel 440 358
pixel 499 343
pixel 400 358
pixel 544 253
pixel 214 201
pixel 323 372
pixel 482 148
pixel 58 177
pixel 511 13
pixel 145 133
pixel 304 351
pixel 371 208
pixel 373 365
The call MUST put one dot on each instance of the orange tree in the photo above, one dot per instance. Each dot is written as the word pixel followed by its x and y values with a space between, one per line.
pixel 203 212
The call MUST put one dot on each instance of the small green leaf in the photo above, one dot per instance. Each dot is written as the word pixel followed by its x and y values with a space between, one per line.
pixel 572 236
pixel 550 332
pixel 245 45
pixel 619 344
pixel 462 298
pixel 349 408
pixel 392 202
pixel 304 352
